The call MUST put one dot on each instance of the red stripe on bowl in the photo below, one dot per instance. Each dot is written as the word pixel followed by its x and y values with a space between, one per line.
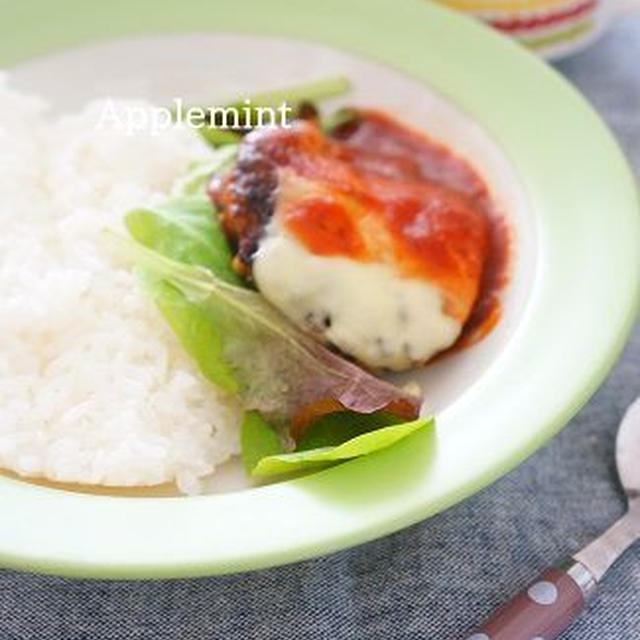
pixel 518 24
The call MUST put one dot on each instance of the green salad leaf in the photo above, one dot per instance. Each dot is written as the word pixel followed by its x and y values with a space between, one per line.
pixel 355 447
pixel 295 96
pixel 258 439
pixel 219 138
pixel 199 174
pixel 334 428
pixel 192 325
pixel 278 368
pixel 243 344
pixel 185 229
pixel 313 91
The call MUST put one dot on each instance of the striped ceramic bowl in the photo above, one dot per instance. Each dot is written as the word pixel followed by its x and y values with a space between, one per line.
pixel 552 27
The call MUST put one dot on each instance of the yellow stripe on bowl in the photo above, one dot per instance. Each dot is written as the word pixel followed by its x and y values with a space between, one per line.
pixel 556 36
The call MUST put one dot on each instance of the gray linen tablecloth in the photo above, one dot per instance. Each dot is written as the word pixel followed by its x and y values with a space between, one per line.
pixel 436 579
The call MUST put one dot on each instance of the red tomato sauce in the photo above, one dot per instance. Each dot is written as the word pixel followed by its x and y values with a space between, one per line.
pixel 375 190
pixel 379 143
pixel 402 195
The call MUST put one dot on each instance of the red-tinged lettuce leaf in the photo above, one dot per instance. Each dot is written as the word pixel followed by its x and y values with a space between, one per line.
pixel 364 444
pixel 278 369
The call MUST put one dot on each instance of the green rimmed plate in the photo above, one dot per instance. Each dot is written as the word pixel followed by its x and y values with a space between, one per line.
pixel 550 161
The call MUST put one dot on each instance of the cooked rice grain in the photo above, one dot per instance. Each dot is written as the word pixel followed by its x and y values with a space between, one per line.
pixel 94 388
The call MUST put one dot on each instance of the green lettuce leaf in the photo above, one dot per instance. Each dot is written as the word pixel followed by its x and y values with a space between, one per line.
pixel 278 368
pixel 335 428
pixel 355 447
pixel 185 229
pixel 258 439
pixel 313 91
pixel 295 96
pixel 192 325
pixel 195 181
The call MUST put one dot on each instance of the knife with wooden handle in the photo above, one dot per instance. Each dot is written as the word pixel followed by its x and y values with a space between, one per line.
pixel 556 598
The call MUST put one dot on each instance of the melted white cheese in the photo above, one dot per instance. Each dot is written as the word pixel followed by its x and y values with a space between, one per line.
pixel 365 309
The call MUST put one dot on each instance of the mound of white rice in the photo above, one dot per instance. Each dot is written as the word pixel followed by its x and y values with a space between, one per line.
pixel 94 388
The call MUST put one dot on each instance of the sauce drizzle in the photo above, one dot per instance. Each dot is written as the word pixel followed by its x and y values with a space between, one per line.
pixel 378 143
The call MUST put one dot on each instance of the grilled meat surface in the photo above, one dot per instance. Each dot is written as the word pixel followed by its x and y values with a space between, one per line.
pixel 374 191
